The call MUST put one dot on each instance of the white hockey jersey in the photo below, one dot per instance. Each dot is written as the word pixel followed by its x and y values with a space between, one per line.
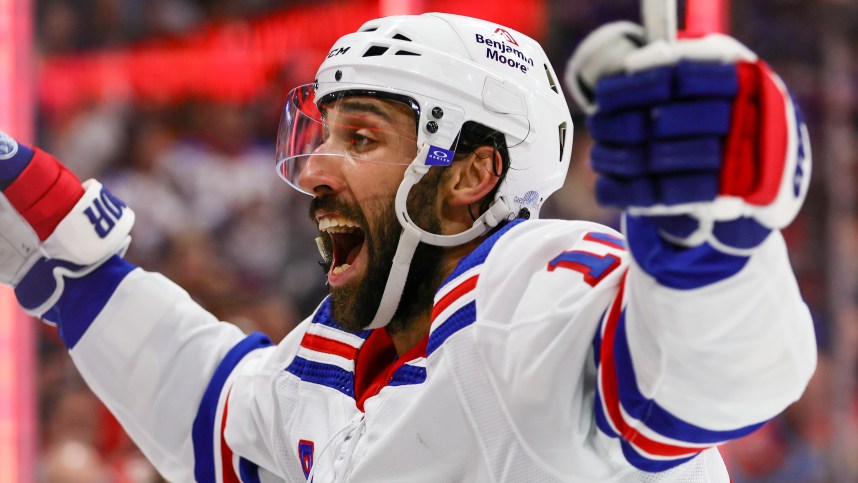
pixel 553 356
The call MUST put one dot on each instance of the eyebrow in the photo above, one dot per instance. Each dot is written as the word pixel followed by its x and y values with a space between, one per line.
pixel 366 107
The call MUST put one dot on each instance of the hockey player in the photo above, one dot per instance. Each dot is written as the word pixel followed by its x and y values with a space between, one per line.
pixel 463 338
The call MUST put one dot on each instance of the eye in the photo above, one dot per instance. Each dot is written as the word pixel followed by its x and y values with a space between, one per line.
pixel 358 140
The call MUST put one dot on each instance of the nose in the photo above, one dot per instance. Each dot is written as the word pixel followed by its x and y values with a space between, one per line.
pixel 322 174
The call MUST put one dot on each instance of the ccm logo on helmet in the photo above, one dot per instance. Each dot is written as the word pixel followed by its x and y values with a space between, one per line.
pixel 337 51
pixel 505 54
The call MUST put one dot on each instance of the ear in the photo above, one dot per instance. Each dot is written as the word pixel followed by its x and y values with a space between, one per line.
pixel 472 178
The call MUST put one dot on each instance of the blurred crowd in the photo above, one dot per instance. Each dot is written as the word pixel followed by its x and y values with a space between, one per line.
pixel 213 216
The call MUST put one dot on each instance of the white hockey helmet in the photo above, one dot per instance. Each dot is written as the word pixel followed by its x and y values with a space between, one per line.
pixel 472 70
pixel 451 70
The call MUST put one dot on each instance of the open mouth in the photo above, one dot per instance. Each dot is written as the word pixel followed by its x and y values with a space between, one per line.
pixel 345 239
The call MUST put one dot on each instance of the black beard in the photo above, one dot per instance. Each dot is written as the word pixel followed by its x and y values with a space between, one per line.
pixel 353 308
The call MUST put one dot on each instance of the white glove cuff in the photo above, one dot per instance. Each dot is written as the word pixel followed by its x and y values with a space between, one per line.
pixel 96 227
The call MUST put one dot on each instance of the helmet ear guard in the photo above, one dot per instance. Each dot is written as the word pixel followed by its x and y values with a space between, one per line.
pixel 412 234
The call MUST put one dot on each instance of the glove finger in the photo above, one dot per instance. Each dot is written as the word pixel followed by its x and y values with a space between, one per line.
pixel 685 80
pixel 693 118
pixel 702 79
pixel 702 154
pixel 685 155
pixel 630 127
pixel 619 160
pixel 642 89
pixel 686 187
pixel 681 119
pixel 622 192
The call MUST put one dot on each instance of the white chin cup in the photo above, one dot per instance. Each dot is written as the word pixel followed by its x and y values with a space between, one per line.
pixel 412 235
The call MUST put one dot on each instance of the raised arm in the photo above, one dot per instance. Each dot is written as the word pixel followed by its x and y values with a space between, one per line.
pixel 702 147
pixel 159 362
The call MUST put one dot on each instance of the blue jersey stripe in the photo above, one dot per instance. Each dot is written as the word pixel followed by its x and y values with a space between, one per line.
pixel 597 340
pixel 684 269
pixel 327 375
pixel 468 314
pixel 462 318
pixel 324 317
pixel 632 456
pixel 407 375
pixel 202 432
pixel 601 418
pixel 649 412
pixel 248 471
pixel 478 256
pixel 83 298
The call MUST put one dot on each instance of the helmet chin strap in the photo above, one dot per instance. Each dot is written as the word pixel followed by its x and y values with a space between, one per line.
pixel 412 235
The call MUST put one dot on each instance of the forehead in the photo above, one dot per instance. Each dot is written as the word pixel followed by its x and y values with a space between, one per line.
pixel 369 108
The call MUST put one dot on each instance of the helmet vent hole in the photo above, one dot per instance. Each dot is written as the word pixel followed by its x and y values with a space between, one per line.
pixel 561 130
pixel 369 29
pixel 375 50
pixel 551 81
pixel 405 52
pixel 401 37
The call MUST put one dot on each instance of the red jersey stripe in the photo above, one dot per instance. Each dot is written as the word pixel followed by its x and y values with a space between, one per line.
pixel 328 346
pixel 610 392
pixel 227 468
pixel 454 295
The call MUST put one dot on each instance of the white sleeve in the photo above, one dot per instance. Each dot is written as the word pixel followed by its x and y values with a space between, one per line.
pixel 539 300
pixel 574 328
pixel 160 363
pixel 699 348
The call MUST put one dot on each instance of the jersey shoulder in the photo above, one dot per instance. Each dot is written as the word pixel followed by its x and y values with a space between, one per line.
pixel 543 264
pixel 532 270
pixel 520 310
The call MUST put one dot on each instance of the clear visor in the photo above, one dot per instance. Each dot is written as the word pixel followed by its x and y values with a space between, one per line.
pixel 352 126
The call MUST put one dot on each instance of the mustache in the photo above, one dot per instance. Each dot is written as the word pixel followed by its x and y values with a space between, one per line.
pixel 334 205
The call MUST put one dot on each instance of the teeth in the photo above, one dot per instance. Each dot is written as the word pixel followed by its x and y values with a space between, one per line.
pixel 342 268
pixel 339 229
pixel 336 225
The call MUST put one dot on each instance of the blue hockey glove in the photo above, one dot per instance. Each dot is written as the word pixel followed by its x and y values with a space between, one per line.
pixel 52 226
pixel 697 135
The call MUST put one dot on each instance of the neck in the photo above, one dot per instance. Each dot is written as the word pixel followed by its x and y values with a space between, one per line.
pixel 407 331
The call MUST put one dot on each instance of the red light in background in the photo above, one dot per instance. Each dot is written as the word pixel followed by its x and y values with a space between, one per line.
pixel 233 61
pixel 707 16
pixel 17 347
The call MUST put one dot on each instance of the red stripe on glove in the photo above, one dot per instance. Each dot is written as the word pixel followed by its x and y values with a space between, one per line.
pixel 755 150
pixel 740 175
pixel 44 193
pixel 773 138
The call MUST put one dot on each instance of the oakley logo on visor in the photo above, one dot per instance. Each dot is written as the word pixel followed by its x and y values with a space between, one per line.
pixel 439 156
